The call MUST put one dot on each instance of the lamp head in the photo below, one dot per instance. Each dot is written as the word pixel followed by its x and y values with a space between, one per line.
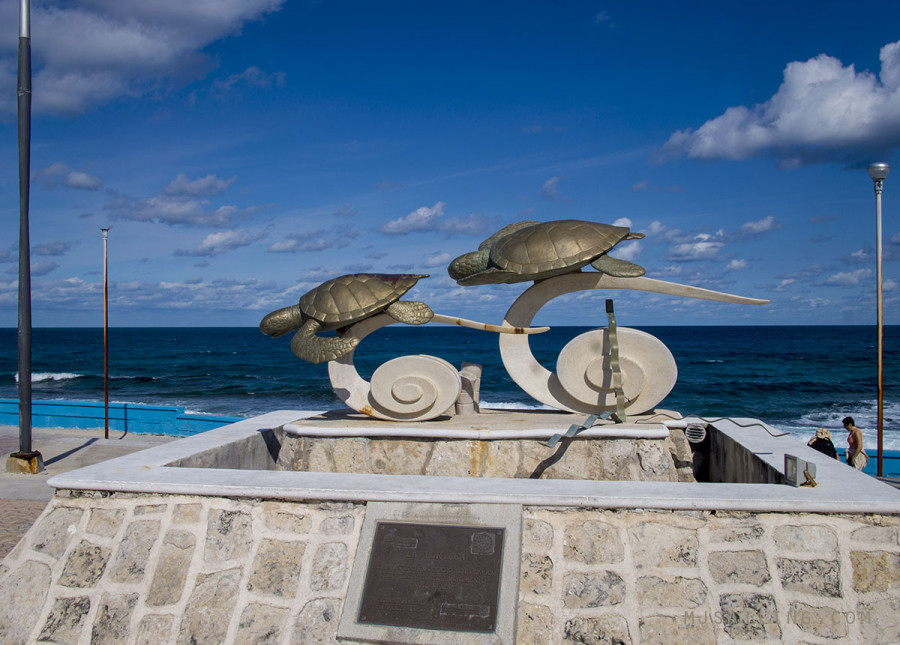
pixel 879 171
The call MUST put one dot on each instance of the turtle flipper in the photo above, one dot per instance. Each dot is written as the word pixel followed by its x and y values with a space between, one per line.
pixel 281 321
pixel 317 349
pixel 617 268
pixel 411 313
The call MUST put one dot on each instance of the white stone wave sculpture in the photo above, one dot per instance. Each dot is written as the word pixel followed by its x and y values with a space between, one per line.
pixel 407 388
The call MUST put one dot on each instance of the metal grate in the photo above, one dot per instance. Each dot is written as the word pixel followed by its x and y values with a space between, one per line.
pixel 695 433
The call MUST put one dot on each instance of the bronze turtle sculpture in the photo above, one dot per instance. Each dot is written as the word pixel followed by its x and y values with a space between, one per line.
pixel 339 303
pixel 538 250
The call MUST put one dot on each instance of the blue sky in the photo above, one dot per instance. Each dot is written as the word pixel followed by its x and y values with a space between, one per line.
pixel 243 151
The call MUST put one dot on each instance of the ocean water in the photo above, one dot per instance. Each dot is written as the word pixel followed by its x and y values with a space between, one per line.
pixel 794 378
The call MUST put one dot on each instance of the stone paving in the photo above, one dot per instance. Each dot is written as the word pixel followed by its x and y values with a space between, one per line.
pixel 16 517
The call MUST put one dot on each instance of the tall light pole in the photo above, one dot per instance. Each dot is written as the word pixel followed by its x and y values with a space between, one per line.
pixel 105 232
pixel 26 459
pixel 879 172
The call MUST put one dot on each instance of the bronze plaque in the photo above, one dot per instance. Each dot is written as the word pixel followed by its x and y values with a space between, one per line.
pixel 433 576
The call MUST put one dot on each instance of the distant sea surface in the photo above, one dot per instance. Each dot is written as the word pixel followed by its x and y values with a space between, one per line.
pixel 794 378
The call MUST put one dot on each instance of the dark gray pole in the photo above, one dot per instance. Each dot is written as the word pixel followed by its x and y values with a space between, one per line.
pixel 24 112
pixel 105 232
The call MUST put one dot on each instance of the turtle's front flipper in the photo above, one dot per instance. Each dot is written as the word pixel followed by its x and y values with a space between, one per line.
pixel 411 313
pixel 317 349
pixel 281 321
pixel 617 268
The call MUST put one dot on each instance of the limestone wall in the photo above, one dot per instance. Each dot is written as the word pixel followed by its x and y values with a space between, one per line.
pixel 124 568
pixel 592 459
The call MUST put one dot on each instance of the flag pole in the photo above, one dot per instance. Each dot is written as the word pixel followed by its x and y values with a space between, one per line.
pixel 105 232
pixel 26 460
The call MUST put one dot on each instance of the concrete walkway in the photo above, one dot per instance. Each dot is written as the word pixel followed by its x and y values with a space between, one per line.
pixel 23 497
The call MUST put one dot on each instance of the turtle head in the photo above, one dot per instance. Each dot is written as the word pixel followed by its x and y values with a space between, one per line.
pixel 281 321
pixel 468 264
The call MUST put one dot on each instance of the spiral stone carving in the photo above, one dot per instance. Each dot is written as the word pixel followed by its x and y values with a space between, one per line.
pixel 583 378
pixel 407 388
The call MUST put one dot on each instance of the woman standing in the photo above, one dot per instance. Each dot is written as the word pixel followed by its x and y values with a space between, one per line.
pixel 856 456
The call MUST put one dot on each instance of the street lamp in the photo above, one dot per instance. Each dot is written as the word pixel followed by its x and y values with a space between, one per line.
pixel 879 172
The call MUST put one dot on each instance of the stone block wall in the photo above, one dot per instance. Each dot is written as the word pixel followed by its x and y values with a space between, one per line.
pixel 594 576
pixel 148 569
pixel 126 568
pixel 596 459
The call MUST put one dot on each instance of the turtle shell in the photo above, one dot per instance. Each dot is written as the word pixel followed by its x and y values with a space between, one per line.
pixel 344 300
pixel 562 245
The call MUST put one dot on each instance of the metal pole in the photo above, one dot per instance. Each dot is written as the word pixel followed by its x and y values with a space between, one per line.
pixel 879 173
pixel 24 334
pixel 105 340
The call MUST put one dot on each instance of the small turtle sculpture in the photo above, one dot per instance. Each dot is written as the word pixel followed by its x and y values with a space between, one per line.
pixel 538 250
pixel 339 303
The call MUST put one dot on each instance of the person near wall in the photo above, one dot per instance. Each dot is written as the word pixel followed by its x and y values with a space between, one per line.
pixel 856 456
pixel 823 443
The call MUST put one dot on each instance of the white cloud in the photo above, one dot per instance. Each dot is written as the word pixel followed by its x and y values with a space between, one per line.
pixel 253 77
pixel 701 249
pixel 822 112
pixel 182 201
pixel 83 180
pixel 420 220
pixel 51 248
pixel 736 265
pixel 336 237
pixel 436 260
pixel 59 174
pixel 199 187
pixel 623 221
pixel 43 268
pixel 658 229
pixel 889 285
pixel 169 209
pixel 848 278
pixel 471 224
pixel 550 189
pixel 628 251
pixel 222 242
pixel 759 226
pixel 784 284
pixel 104 49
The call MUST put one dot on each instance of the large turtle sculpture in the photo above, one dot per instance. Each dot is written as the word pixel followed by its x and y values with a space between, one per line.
pixel 538 250
pixel 339 303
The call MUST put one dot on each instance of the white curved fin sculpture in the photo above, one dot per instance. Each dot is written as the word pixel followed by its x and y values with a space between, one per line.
pixel 582 381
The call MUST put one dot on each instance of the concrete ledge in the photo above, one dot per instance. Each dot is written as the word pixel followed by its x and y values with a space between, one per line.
pixel 841 488
pixel 618 431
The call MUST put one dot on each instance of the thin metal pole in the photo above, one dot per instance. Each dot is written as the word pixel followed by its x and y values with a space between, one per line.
pixel 878 172
pixel 105 340
pixel 878 278
pixel 24 332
